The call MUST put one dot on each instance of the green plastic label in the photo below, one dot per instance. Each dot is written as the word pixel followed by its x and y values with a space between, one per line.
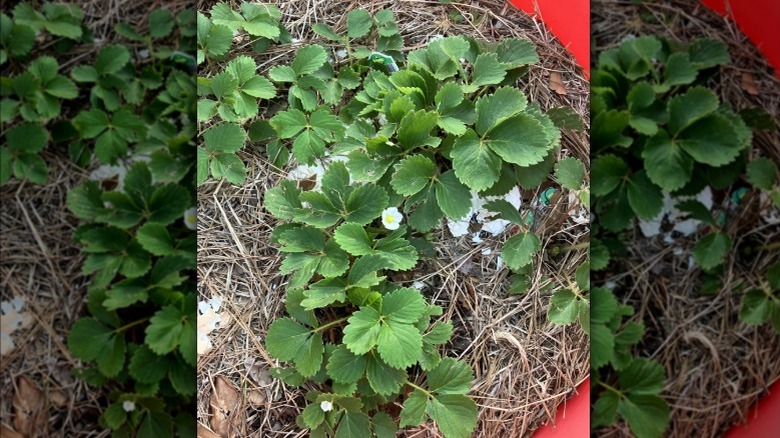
pixel 385 60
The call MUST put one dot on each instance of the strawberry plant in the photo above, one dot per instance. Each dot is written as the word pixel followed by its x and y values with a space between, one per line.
pixel 236 91
pixel 138 114
pixel 659 136
pixel 234 94
pixel 634 396
pixel 763 304
pixel 58 19
pixel 331 247
pixel 403 142
pixel 16 39
pixel 661 114
pixel 33 95
pixel 258 21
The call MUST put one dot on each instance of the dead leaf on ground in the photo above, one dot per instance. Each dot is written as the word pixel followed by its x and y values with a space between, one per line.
pixel 749 84
pixel 556 83
pixel 227 419
pixel 28 408
pixel 7 432
pixel 256 397
pixel 205 432
pixel 58 398
pixel 258 372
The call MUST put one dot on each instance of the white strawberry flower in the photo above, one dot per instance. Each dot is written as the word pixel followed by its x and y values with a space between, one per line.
pixel 326 406
pixel 391 218
pixel 191 218
pixel 128 406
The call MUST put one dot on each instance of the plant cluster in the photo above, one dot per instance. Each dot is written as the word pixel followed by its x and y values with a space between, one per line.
pixel 658 131
pixel 412 142
pixel 135 115
pixel 32 99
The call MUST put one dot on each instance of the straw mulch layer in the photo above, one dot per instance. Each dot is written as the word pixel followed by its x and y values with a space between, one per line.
pixel 40 262
pixel 525 367
pixel 717 367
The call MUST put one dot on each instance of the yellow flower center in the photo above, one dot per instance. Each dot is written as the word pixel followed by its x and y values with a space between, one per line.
pixel 389 219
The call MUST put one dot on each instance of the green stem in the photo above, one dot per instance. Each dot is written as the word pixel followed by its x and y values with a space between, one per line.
pixel 132 324
pixel 350 58
pixel 767 247
pixel 555 250
pixel 575 247
pixel 610 388
pixel 419 388
pixel 331 324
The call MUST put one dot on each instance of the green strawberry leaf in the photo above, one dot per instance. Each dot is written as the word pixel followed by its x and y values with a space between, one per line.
pixel 111 59
pixel 762 173
pixel 308 60
pixel 518 250
pixel 455 415
pixel 711 250
pixel 450 376
pixel 487 70
pixel 494 109
pixel 224 137
pixel 570 173
pixel 475 164
pixel 452 196
pixel 602 345
pixel 166 330
pixel 288 340
pixel 564 307
pixel 345 367
pixel 685 109
pixel 646 415
pixel 412 174
pixel 609 172
pixel 359 23
pixel 756 307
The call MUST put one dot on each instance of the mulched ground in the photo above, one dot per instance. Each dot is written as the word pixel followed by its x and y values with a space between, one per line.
pixel 717 367
pixel 525 366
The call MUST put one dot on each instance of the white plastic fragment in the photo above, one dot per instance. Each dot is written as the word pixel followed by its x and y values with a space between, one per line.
pixel 670 213
pixel 580 214
pixel 11 319
pixel 106 172
pixel 458 228
pixel 772 216
pixel 305 172
pixel 495 227
pixel 483 216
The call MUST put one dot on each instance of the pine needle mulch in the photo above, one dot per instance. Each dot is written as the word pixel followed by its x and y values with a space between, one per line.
pixel 716 366
pixel 525 367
